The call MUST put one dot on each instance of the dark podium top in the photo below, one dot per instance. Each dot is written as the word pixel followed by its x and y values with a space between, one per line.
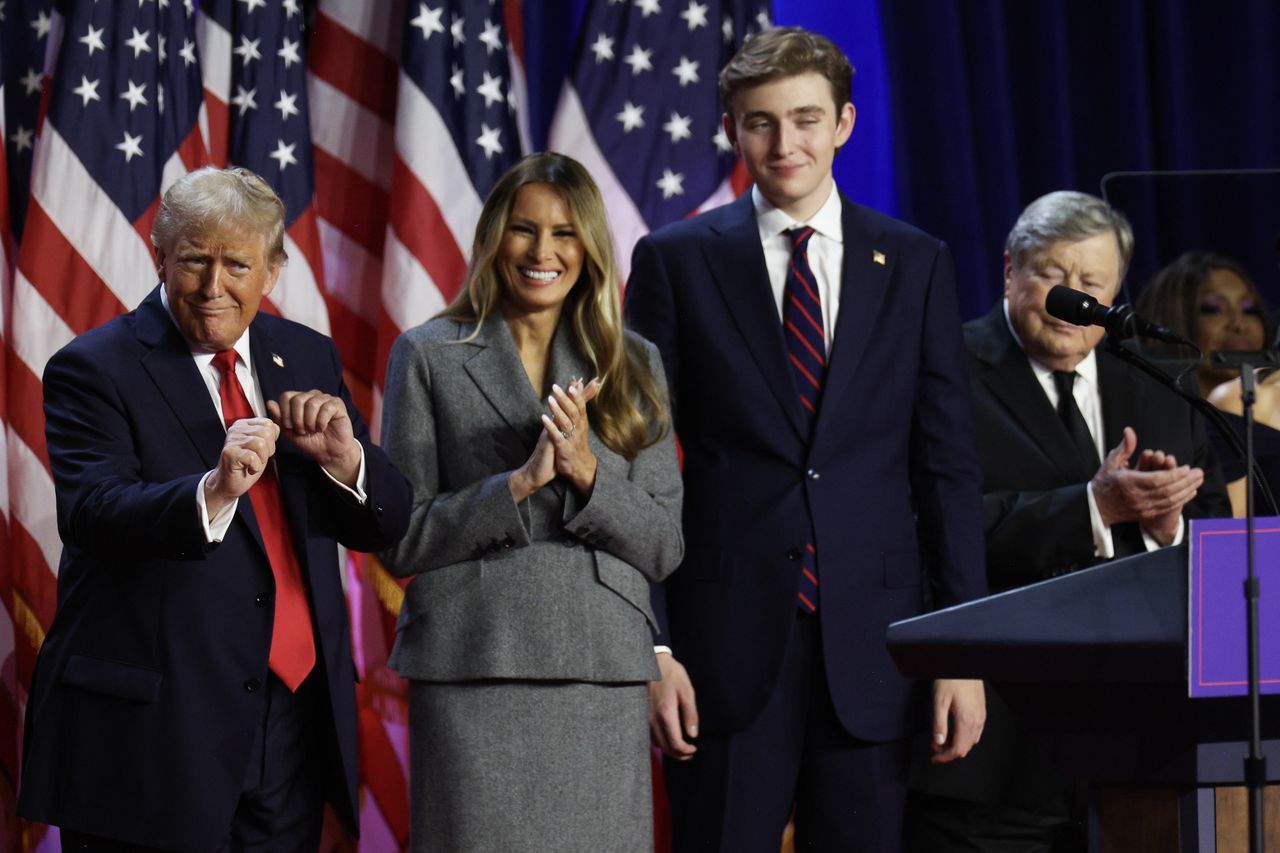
pixel 1096 662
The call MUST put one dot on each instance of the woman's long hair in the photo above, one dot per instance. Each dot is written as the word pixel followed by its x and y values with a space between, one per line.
pixel 630 411
pixel 1172 298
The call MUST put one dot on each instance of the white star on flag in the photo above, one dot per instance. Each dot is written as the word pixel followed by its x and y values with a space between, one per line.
pixel 491 89
pixel 428 21
pixel 289 53
pixel 488 140
pixel 638 59
pixel 287 105
pixel 632 116
pixel 671 184
pixel 492 37
pixel 602 47
pixel 456 30
pixel 130 146
pixel 649 7
pixel 33 82
pixel 678 127
pixel 244 99
pixel 93 40
pixel 284 154
pixel 687 71
pixel 87 90
pixel 135 95
pixel 695 15
pixel 22 139
pixel 248 50
pixel 138 41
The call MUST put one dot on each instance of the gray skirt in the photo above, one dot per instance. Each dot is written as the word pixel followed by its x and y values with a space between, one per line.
pixel 529 766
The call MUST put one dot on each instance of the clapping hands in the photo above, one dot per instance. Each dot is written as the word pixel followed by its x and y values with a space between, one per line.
pixel 563 448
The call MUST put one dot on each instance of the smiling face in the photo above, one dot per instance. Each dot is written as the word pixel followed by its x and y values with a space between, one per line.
pixel 215 281
pixel 1090 266
pixel 540 257
pixel 787 132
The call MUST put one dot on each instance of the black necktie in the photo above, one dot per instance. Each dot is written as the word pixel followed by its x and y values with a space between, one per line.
pixel 1073 420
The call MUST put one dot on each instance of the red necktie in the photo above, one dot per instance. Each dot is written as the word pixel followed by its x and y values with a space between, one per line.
pixel 293 650
pixel 807 351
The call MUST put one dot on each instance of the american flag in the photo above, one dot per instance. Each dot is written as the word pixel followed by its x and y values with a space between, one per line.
pixel 644 83
pixel 382 125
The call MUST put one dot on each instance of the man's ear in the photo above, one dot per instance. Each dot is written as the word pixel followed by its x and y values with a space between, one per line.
pixel 730 130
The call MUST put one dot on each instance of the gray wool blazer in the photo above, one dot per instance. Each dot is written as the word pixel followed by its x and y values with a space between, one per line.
pixel 556 587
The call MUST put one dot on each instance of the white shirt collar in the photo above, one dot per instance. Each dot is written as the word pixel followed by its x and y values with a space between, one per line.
pixel 773 221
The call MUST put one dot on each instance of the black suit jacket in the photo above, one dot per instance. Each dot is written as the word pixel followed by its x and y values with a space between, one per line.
pixel 887 487
pixel 1036 518
pixel 148 687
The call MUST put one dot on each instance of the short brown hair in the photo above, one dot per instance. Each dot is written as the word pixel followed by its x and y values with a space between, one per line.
pixel 786 52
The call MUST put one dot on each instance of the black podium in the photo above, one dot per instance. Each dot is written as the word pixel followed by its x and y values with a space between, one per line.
pixel 1095 662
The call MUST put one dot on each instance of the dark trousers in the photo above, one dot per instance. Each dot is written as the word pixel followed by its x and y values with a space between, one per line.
pixel 736 793
pixel 946 825
pixel 281 808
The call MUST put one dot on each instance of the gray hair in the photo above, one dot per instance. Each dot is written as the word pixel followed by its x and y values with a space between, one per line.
pixel 1070 216
pixel 209 198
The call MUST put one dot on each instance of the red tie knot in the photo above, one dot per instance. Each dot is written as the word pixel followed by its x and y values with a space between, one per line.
pixel 225 361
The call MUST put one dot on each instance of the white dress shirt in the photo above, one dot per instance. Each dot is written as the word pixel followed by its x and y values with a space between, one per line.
pixel 1088 397
pixel 826 252
pixel 215 529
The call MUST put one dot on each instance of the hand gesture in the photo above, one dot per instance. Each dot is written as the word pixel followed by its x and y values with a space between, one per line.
pixel 1152 493
pixel 246 452
pixel 959 715
pixel 536 472
pixel 319 425
pixel 673 711
pixel 568 428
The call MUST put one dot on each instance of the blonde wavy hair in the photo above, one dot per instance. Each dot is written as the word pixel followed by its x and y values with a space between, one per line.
pixel 630 412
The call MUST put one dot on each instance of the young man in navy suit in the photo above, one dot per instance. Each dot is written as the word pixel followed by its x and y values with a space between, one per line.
pixel 831 482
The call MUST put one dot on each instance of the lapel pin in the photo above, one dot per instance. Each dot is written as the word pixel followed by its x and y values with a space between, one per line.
pixel 279 362
pixel 877 257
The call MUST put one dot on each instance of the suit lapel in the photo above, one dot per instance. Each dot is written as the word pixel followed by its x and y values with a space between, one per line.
pixel 738 267
pixel 1121 397
pixel 498 372
pixel 1010 379
pixel 864 279
pixel 168 362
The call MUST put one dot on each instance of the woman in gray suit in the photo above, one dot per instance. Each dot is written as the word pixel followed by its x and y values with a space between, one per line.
pixel 544 506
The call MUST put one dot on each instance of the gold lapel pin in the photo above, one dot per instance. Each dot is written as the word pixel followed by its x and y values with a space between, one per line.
pixel 279 362
pixel 877 257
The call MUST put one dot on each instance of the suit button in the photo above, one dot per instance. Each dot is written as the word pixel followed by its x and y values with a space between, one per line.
pixel 377 508
pixel 795 554
pixel 261 600
pixel 252 685
pixel 812 474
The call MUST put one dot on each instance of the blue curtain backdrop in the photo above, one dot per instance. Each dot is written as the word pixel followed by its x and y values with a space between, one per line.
pixel 969 109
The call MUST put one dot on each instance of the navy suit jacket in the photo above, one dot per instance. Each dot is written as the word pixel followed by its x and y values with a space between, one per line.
pixel 887 487
pixel 149 685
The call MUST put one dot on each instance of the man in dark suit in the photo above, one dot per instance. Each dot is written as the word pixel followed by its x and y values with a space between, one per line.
pixel 1059 425
pixel 813 352
pixel 195 689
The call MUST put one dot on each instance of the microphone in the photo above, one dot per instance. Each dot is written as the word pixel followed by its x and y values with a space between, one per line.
pixel 1119 320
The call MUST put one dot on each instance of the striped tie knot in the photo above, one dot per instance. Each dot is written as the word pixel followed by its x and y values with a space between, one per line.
pixel 799 238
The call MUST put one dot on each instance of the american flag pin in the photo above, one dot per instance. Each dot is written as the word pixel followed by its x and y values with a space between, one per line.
pixel 279 362
pixel 877 257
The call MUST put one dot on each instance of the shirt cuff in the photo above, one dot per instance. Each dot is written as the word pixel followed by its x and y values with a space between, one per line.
pixel 662 650
pixel 1103 547
pixel 358 492
pixel 215 529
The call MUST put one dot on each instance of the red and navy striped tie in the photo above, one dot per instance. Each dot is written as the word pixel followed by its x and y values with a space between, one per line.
pixel 807 351
pixel 802 322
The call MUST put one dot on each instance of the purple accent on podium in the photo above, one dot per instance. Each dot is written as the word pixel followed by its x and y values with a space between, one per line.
pixel 1216 659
